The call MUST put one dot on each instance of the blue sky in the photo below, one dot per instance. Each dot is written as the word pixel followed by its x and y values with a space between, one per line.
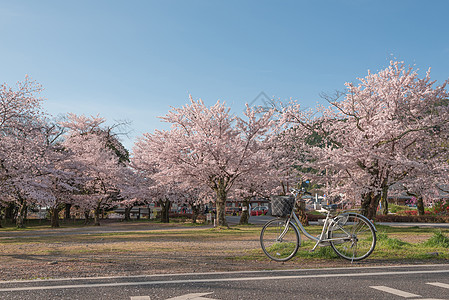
pixel 132 60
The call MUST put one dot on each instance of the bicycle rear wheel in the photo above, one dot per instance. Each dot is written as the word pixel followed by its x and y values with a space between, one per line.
pixel 355 237
pixel 279 239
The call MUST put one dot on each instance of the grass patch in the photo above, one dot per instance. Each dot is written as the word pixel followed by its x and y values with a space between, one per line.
pixel 406 230
pixel 383 241
pixel 162 235
pixel 393 243
pixel 394 208
pixel 36 224
pixel 397 249
pixel 224 228
pixel 319 253
pixel 438 240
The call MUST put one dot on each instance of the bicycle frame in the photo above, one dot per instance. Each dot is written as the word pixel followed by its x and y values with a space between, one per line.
pixel 329 223
pixel 351 235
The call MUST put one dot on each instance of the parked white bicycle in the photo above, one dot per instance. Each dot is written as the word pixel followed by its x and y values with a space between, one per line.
pixel 351 235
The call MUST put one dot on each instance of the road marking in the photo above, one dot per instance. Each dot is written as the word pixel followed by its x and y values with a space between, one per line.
pixel 394 291
pixel 439 284
pixel 233 279
pixel 194 296
pixel 219 273
pixel 197 296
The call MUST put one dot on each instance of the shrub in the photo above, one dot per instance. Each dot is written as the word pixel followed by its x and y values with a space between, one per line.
pixel 314 217
pixel 412 213
pixel 441 207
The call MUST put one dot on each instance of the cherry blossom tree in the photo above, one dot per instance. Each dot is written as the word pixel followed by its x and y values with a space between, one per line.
pixel 370 131
pixel 249 187
pixel 103 159
pixel 424 178
pixel 207 146
pixel 134 190
pixel 162 188
pixel 166 194
pixel 196 197
pixel 20 169
pixel 28 152
pixel 21 143
pixel 272 177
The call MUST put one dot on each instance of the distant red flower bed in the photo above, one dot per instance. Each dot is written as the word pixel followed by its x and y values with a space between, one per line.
pixel 413 213
pixel 427 218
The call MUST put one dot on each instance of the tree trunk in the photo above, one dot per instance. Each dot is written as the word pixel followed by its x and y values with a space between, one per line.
pixel 68 206
pixel 384 200
pixel 86 217
pixel 25 214
pixel 301 212
pixel 97 215
pixel 128 213
pixel 149 212
pixel 370 201
pixel 21 214
pixel 165 205
pixel 244 218
pixel 220 205
pixel 420 206
pixel 196 210
pixel 54 216
pixel 10 213
pixel 419 203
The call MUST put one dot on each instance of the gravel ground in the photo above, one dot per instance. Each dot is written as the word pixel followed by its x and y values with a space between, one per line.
pixel 102 251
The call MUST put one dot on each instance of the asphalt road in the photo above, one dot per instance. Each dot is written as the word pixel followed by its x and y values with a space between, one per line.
pixel 404 282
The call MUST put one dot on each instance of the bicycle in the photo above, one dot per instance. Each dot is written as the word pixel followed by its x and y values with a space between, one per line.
pixel 351 235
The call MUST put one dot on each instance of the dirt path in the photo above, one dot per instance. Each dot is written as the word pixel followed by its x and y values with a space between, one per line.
pixel 139 249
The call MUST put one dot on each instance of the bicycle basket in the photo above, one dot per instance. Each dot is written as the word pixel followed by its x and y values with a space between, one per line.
pixel 282 206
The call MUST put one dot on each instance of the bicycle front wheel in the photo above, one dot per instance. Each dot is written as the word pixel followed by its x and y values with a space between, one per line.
pixel 352 236
pixel 279 239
